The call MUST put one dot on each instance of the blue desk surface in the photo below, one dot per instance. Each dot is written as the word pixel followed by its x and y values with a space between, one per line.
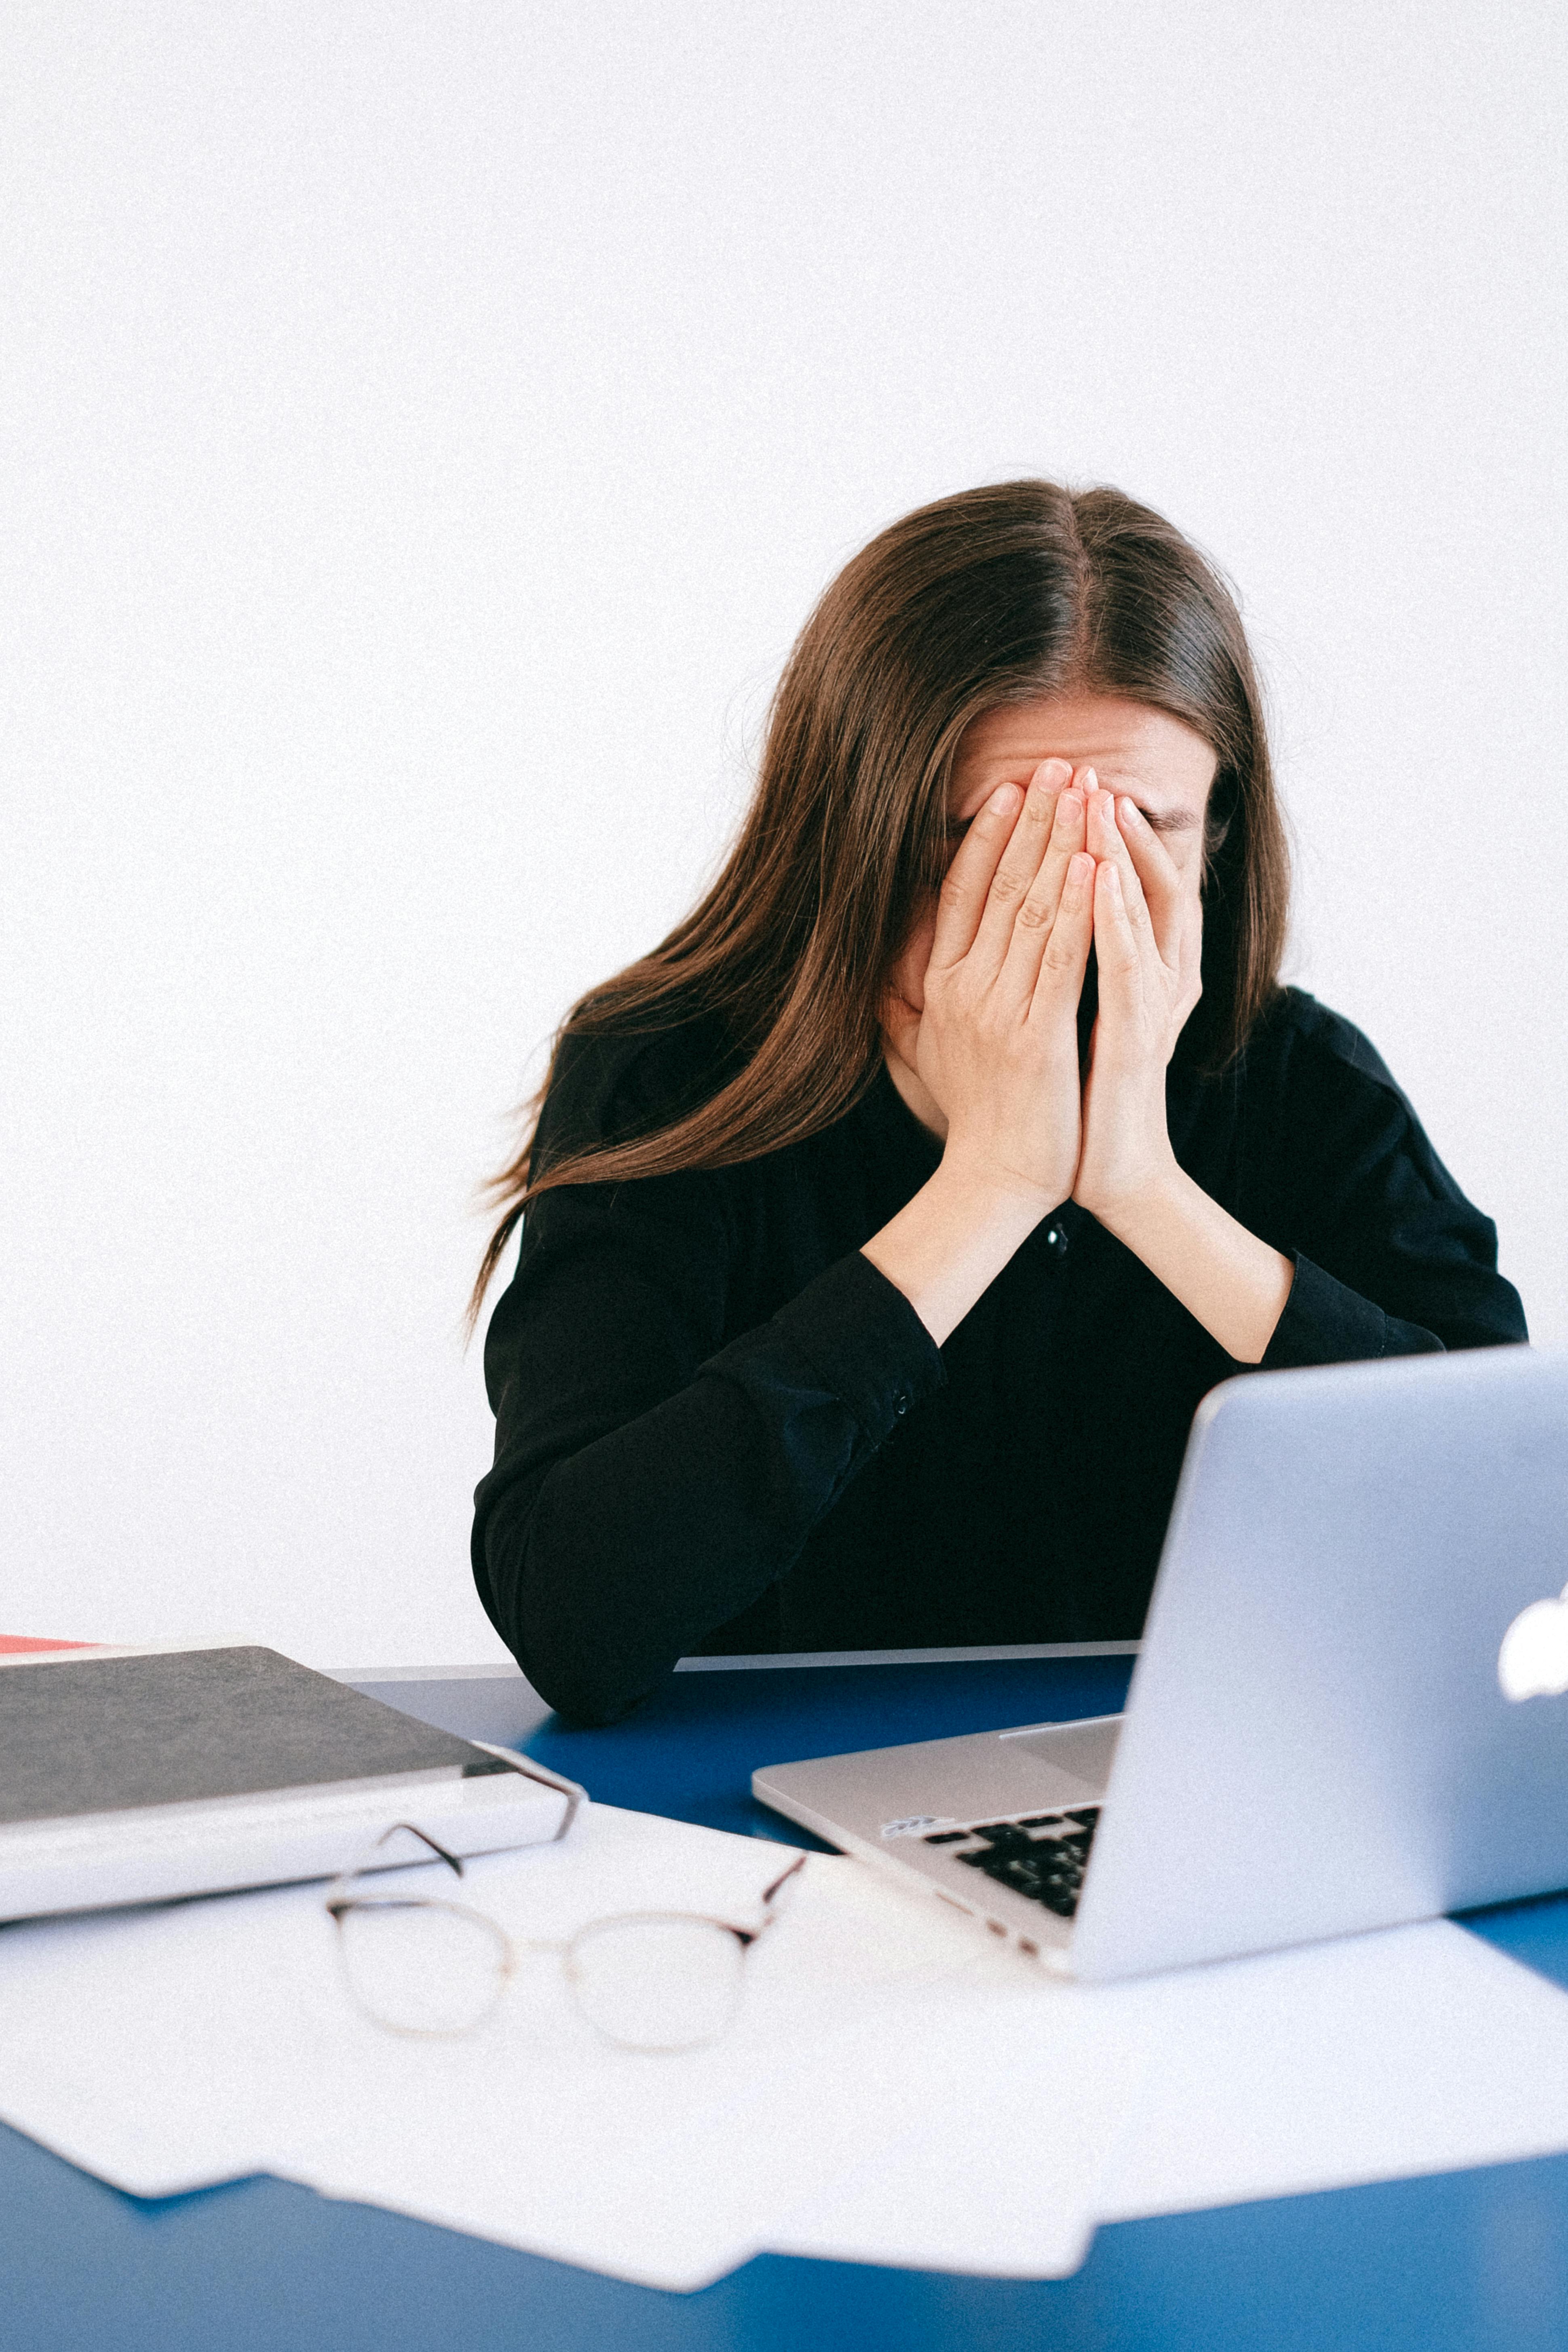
pixel 1471 2261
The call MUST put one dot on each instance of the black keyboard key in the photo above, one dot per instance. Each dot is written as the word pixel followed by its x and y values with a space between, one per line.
pixel 1087 1819
pixel 945 1837
pixel 1028 1878
pixel 1043 1822
pixel 1028 1873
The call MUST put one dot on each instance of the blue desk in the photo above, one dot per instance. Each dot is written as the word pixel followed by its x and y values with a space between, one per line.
pixel 1474 2262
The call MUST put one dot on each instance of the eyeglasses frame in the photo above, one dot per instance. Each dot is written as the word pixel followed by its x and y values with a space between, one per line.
pixel 512 1949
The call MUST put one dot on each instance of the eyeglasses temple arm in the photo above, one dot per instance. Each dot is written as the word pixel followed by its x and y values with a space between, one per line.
pixel 531 1770
pixel 784 1875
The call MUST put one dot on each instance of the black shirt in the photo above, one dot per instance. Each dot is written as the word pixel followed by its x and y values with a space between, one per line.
pixel 721 1429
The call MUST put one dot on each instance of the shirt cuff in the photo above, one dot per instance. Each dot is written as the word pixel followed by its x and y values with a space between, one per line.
pixel 1326 1322
pixel 859 1338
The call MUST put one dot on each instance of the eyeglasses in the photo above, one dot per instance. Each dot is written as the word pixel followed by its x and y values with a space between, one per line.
pixel 653 1980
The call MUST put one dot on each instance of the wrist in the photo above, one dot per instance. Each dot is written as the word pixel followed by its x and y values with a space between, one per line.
pixel 948 1244
pixel 981 1191
pixel 1147 1205
pixel 1230 1280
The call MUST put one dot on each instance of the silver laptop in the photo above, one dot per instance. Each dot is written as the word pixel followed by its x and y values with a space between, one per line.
pixel 1350 1709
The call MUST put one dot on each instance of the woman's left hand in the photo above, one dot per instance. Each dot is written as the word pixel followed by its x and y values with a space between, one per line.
pixel 1148 938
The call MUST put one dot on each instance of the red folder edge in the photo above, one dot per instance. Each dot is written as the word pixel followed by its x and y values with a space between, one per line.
pixel 13 1642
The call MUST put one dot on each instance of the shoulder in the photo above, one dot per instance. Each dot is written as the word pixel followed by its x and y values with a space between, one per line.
pixel 1327 1109
pixel 1300 1044
pixel 608 1086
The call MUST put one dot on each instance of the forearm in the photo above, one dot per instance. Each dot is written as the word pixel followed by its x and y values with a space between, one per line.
pixel 948 1244
pixel 1232 1283
pixel 605 1570
pixel 604 1553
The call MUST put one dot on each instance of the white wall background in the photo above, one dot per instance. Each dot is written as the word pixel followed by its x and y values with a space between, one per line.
pixel 426 427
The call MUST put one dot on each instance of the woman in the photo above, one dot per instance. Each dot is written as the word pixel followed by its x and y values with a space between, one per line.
pixel 886 1225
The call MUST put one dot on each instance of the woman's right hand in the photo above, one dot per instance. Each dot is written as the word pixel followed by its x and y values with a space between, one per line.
pixel 997 1045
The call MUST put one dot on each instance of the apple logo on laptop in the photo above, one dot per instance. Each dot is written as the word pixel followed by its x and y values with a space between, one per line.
pixel 1533 1660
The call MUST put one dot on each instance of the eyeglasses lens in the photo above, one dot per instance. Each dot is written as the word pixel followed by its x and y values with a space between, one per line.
pixel 422 1968
pixel 657 1984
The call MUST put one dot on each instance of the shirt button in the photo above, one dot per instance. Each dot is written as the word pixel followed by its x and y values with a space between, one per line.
pixel 901 1403
pixel 1056 1239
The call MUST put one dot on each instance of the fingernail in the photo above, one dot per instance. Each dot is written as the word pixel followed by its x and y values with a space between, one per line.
pixel 1004 798
pixel 1090 781
pixel 1080 871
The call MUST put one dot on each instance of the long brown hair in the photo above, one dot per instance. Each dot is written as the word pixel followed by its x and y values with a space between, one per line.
pixel 998 595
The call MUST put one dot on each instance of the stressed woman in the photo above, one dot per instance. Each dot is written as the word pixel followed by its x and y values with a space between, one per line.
pixel 884 1227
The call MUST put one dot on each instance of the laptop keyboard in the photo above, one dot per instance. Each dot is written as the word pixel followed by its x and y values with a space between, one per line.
pixel 1043 1858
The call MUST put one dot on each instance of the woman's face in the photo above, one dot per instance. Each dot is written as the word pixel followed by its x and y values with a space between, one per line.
pixel 1165 766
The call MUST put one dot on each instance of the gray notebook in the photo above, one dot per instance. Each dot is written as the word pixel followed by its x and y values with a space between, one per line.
pixel 147 1776
pixel 91 1735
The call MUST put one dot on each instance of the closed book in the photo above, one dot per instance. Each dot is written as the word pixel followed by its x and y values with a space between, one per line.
pixel 133 1776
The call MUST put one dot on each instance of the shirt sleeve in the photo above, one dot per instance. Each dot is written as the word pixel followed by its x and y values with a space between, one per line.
pixel 1391 1258
pixel 652 1478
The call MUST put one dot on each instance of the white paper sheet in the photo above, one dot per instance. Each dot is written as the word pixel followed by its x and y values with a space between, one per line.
pixel 1421 2048
pixel 1002 2174
pixel 1371 2058
pixel 166 2049
pixel 898 2089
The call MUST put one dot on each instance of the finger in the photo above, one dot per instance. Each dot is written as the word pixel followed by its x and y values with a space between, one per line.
pixel 1166 894
pixel 1117 948
pixel 1105 842
pixel 1018 867
pixel 1043 899
pixel 1190 957
pixel 1066 958
pixel 962 899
